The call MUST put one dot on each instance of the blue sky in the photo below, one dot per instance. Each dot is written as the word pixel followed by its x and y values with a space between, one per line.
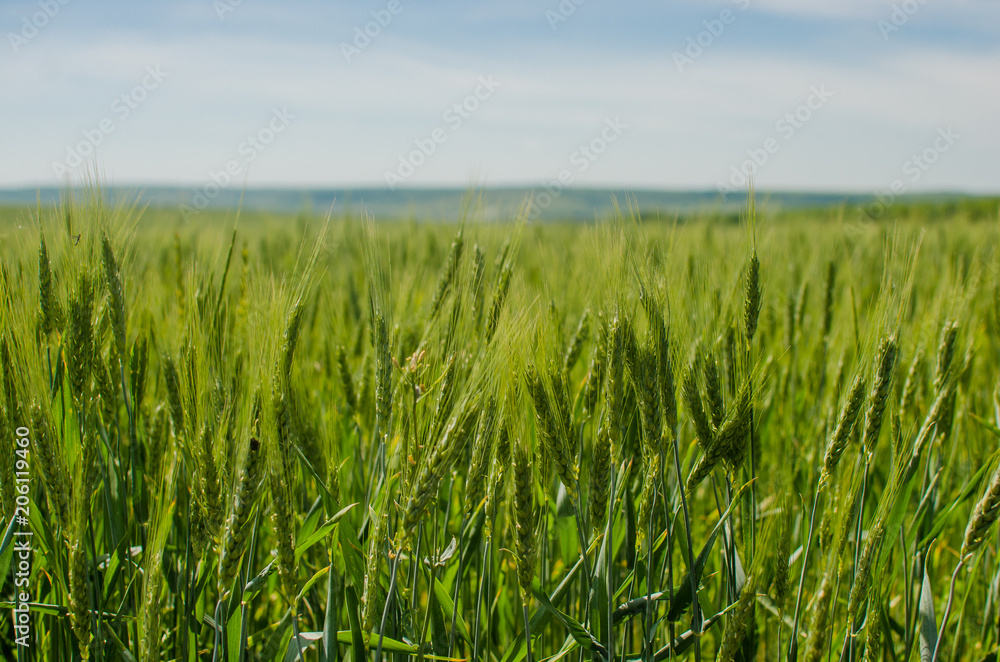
pixel 808 95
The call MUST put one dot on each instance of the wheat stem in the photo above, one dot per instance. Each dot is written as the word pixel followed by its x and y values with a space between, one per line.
pixel 458 586
pixel 947 609
pixel 696 622
pixel 793 645
pixel 527 627
pixel 388 603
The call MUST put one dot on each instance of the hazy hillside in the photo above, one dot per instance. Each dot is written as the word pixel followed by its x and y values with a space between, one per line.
pixel 447 203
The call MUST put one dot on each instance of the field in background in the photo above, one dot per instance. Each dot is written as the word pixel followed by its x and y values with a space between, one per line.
pixel 548 204
pixel 285 437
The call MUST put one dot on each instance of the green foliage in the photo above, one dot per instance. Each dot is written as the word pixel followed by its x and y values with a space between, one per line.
pixel 244 457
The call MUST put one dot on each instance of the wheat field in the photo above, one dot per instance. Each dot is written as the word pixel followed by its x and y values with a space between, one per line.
pixel 269 438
